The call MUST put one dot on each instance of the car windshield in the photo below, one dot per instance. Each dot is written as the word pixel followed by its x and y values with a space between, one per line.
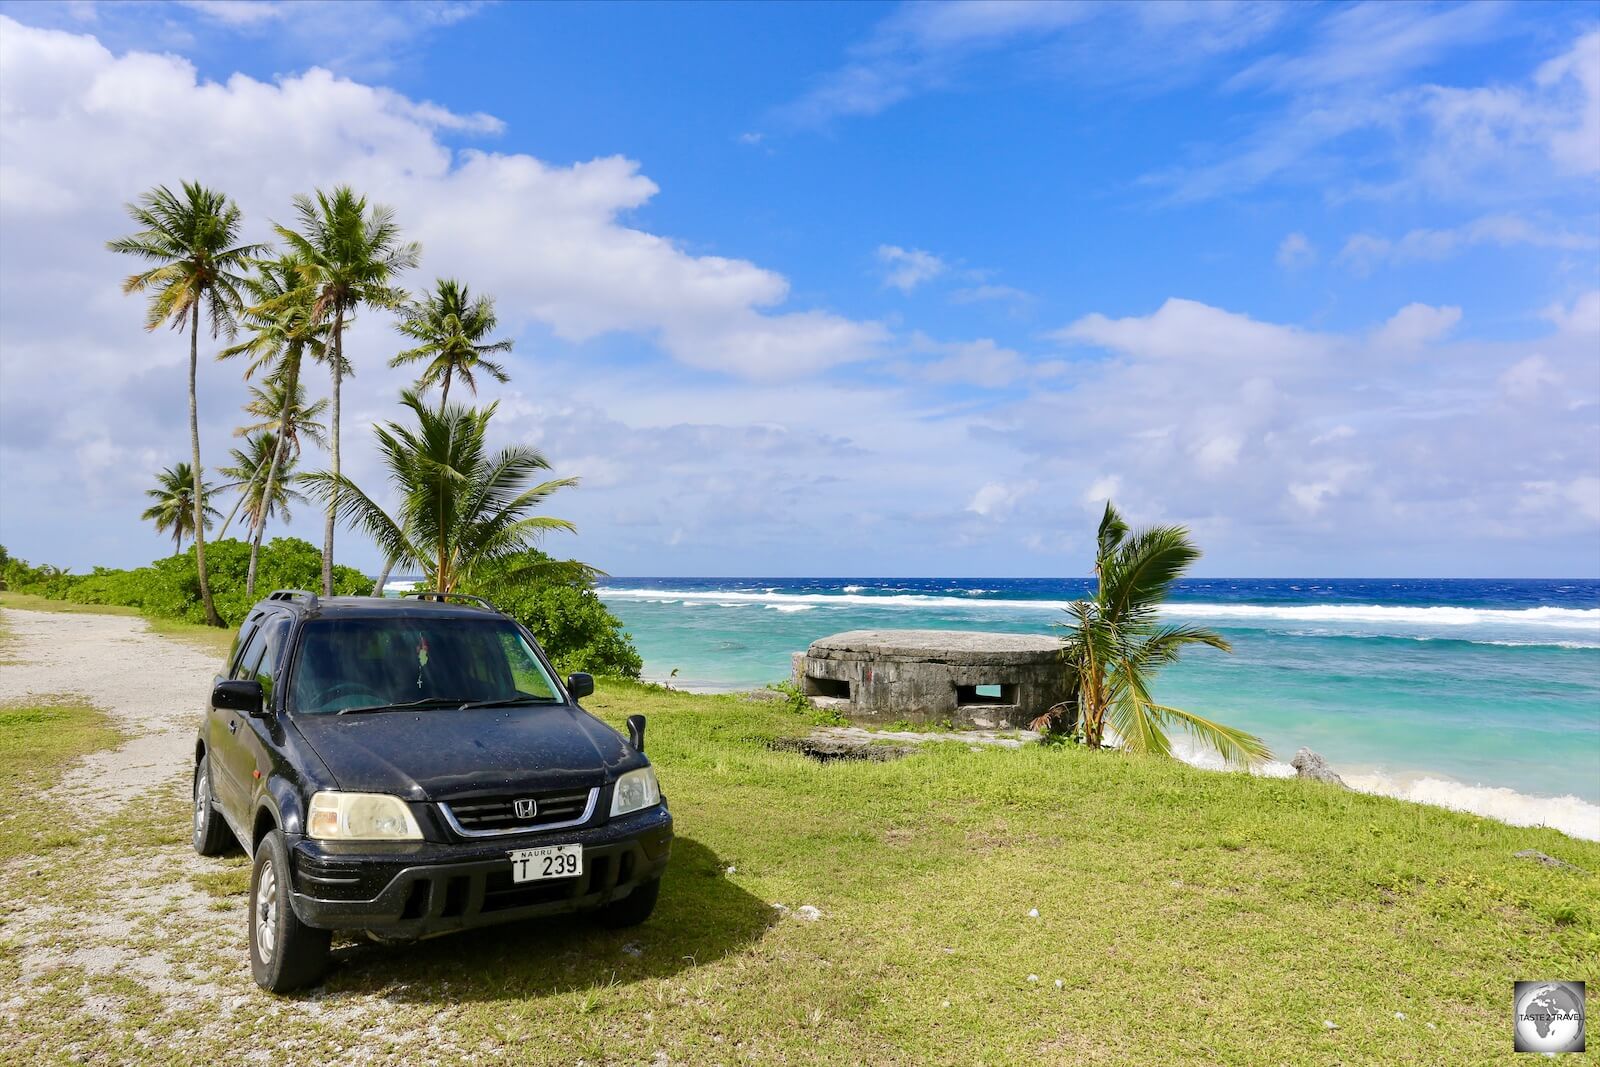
pixel 377 664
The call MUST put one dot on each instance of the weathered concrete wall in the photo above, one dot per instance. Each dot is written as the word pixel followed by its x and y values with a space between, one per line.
pixel 934 676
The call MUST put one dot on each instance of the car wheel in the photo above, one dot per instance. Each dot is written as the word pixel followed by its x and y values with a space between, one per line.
pixel 285 953
pixel 210 834
pixel 632 909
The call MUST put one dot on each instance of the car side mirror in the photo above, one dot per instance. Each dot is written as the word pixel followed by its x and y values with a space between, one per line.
pixel 580 685
pixel 239 695
pixel 636 733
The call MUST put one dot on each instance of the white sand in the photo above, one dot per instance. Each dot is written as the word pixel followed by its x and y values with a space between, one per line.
pixel 154 687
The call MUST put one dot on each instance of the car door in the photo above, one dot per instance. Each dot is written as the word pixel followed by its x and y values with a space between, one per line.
pixel 226 761
pixel 256 740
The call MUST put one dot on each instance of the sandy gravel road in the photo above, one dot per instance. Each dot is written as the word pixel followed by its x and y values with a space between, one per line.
pixel 153 686
pixel 122 945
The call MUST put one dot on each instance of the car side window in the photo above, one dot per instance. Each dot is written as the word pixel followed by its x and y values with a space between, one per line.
pixel 271 651
pixel 240 644
pixel 244 667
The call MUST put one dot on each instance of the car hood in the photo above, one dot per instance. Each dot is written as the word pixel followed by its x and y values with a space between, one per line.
pixel 440 753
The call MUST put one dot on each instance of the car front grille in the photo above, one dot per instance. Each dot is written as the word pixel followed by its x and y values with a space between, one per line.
pixel 489 816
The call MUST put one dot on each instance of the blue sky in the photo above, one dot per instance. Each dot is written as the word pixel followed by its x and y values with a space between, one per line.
pixel 875 289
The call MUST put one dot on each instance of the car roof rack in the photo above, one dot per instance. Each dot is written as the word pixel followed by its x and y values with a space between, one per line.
pixel 434 594
pixel 293 594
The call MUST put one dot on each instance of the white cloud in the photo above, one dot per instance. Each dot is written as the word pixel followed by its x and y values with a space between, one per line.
pixel 1104 488
pixel 1416 325
pixel 1193 332
pixel 977 294
pixel 1527 378
pixel 548 240
pixel 996 500
pixel 1363 252
pixel 982 363
pixel 1296 251
pixel 922 48
pixel 1482 143
pixel 907 268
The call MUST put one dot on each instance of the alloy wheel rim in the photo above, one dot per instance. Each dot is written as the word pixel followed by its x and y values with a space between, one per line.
pixel 202 798
pixel 267 912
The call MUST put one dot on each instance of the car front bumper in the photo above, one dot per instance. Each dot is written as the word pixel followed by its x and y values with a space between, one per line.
pixel 414 889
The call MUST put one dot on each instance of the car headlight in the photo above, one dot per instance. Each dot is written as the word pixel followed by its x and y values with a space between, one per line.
pixel 635 790
pixel 361 817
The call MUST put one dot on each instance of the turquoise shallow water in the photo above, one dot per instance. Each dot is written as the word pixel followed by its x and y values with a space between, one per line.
pixel 1417 688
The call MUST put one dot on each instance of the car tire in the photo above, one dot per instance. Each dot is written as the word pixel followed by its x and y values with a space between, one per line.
pixel 285 953
pixel 209 833
pixel 632 909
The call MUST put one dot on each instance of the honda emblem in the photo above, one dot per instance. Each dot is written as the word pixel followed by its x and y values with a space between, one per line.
pixel 526 808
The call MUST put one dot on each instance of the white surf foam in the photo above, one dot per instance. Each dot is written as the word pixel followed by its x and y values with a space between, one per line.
pixel 1573 619
pixel 1569 814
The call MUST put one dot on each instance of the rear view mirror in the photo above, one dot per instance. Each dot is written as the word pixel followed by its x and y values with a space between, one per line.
pixel 580 685
pixel 242 696
pixel 636 733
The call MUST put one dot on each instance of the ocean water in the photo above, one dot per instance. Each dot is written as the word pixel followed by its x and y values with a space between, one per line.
pixel 1478 695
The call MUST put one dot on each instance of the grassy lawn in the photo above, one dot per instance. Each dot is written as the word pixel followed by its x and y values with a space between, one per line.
pixel 36 745
pixel 1184 916
pixel 208 638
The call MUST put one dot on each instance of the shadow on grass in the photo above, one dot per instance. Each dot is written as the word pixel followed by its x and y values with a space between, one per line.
pixel 701 916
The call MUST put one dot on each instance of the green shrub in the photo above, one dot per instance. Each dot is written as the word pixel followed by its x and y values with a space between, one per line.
pixel 170 587
pixel 557 602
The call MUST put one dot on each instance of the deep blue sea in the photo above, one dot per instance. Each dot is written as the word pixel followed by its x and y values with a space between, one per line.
pixel 1481 695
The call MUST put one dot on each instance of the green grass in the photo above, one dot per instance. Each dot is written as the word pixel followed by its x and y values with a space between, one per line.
pixel 1190 917
pixel 36 744
pixel 207 638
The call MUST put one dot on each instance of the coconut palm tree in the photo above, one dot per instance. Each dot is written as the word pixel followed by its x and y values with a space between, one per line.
pixel 248 471
pixel 175 508
pixel 451 328
pixel 287 415
pixel 262 472
pixel 1116 642
pixel 191 238
pixel 284 328
pixel 462 507
pixel 350 255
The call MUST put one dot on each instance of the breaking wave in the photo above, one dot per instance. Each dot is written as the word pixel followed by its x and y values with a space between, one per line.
pixel 1569 814
pixel 1577 620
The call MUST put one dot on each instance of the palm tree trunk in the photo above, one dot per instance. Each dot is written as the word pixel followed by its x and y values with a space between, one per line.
pixel 333 500
pixel 229 520
pixel 212 618
pixel 383 579
pixel 445 395
pixel 279 448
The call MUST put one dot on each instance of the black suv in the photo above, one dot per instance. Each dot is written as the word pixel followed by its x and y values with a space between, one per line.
pixel 404 767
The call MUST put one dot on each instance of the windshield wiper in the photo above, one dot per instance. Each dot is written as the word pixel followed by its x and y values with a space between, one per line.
pixel 458 703
pixel 425 702
pixel 506 702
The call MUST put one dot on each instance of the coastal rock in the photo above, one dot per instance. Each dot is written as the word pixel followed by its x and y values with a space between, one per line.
pixel 1549 861
pixel 1308 764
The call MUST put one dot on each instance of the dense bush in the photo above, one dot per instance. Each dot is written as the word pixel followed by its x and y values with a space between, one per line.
pixel 556 600
pixel 170 587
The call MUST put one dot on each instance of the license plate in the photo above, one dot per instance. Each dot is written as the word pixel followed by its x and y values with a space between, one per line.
pixel 552 861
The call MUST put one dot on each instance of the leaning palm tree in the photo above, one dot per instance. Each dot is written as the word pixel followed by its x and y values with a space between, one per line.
pixel 284 327
pixel 451 329
pixel 462 507
pixel 274 407
pixel 349 255
pixel 262 472
pixel 1116 642
pixel 192 241
pixel 174 508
